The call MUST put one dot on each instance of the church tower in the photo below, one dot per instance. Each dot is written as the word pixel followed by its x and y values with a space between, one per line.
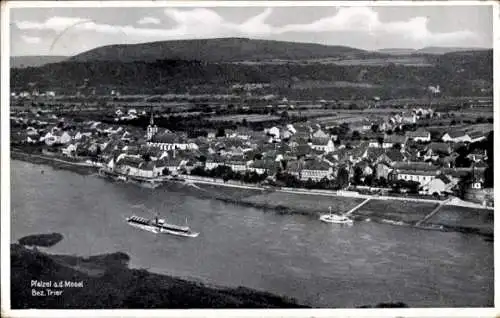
pixel 152 128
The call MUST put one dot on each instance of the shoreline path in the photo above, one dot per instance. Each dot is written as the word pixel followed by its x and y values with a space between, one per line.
pixel 453 201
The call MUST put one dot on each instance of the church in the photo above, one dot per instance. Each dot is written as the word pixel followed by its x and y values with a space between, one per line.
pixel 167 140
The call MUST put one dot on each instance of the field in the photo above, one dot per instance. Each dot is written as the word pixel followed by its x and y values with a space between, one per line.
pixel 227 192
pixel 303 203
pixel 337 120
pixel 464 217
pixel 322 84
pixel 370 111
pixel 249 118
pixel 310 113
pixel 408 212
pixel 183 114
pixel 484 128
pixel 445 126
pixel 407 61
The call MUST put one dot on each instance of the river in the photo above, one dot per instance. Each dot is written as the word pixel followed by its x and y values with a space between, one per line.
pixel 294 255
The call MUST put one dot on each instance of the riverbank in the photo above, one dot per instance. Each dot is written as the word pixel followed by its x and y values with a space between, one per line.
pixel 394 212
pixel 471 218
pixel 54 162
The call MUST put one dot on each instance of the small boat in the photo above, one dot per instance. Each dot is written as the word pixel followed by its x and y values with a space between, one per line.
pixel 334 218
pixel 157 225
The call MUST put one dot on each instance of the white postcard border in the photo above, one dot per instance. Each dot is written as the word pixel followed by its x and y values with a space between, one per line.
pixel 5 170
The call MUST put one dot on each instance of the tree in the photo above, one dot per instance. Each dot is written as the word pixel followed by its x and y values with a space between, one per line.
pixel 462 161
pixel 382 182
pixel 375 128
pixel 344 127
pixel 380 140
pixel 369 180
pixel 396 146
pixel 435 135
pixel 343 178
pixel 358 174
pixel 258 156
pixel 288 180
pixel 356 135
pixel 146 157
pixel 284 164
pixel 202 159
pixel 413 186
pixel 463 184
pixel 199 171
pixel 480 120
pixel 310 184
pixel 220 132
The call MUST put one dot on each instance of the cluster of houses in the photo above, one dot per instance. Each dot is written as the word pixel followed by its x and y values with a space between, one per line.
pixel 32 93
pixel 128 115
pixel 307 151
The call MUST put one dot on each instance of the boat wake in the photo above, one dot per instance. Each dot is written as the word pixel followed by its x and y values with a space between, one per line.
pixel 190 184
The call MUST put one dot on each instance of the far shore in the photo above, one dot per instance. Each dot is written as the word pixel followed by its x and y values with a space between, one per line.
pixel 394 211
pixel 107 282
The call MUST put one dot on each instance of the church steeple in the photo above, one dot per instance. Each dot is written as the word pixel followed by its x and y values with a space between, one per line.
pixel 152 128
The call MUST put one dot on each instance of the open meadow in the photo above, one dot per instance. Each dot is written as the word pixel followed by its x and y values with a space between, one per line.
pixel 455 216
pixel 300 203
pixel 249 118
pixel 408 212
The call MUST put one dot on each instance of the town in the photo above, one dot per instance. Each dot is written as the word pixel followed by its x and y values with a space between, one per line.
pixel 410 151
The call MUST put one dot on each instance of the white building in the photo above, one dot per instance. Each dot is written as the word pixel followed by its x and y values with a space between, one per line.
pixel 456 137
pixel 322 144
pixel 420 135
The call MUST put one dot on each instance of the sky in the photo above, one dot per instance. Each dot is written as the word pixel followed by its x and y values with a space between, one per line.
pixel 69 31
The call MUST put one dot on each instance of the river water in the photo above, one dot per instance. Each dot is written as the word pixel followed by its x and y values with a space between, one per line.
pixel 318 264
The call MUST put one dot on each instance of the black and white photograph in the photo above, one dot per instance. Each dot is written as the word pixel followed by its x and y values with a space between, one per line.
pixel 237 155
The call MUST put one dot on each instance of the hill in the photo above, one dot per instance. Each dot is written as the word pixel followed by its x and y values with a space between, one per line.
pixel 34 61
pixel 217 50
pixel 458 74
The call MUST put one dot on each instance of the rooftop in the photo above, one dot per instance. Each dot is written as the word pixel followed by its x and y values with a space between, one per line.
pixel 419 133
pixel 395 139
